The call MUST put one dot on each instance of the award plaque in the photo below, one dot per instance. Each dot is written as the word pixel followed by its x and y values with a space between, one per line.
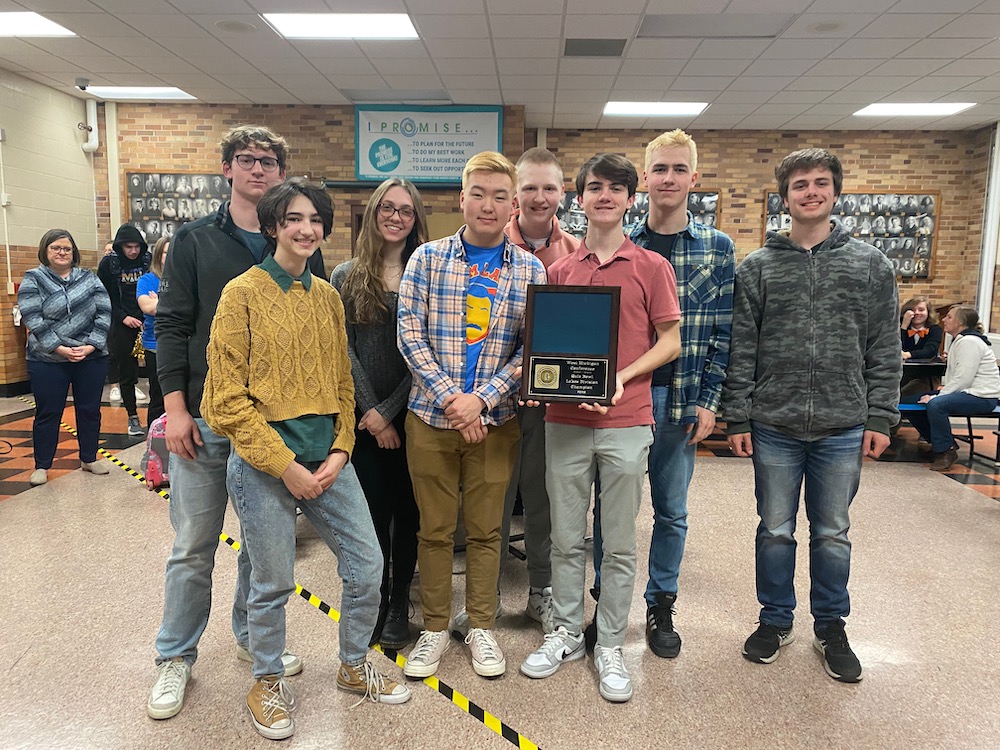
pixel 570 344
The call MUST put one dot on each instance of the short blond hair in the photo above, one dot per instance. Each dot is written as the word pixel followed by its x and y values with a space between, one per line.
pixel 673 138
pixel 489 161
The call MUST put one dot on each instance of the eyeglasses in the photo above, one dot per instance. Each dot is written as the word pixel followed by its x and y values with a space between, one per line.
pixel 386 210
pixel 60 250
pixel 267 163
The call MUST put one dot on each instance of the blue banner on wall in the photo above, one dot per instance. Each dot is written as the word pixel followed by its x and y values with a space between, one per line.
pixel 422 144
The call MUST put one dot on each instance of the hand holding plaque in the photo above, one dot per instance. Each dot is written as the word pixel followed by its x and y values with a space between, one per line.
pixel 571 344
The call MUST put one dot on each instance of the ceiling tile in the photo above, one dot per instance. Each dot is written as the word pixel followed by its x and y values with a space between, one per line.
pixel 618 26
pixel 933 6
pixel 540 27
pixel 974 26
pixel 662 49
pixel 467 65
pixel 582 83
pixel 527 66
pixel 832 26
pixel 714 67
pixel 455 26
pixel 729 49
pixel 970 67
pixel 779 67
pixel 800 49
pixel 872 48
pixel 903 67
pixel 525 7
pixel 451 48
pixel 914 26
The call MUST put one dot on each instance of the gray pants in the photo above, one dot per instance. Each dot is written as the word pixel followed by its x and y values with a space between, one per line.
pixel 572 456
pixel 529 477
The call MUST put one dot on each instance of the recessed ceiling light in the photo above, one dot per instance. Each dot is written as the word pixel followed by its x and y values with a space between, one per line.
pixel 342 25
pixel 654 109
pixel 915 109
pixel 30 24
pixel 144 93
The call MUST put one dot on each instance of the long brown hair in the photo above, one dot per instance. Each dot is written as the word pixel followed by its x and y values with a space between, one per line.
pixel 363 289
pixel 158 250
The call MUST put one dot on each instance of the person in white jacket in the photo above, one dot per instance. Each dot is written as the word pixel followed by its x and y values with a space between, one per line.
pixel 971 385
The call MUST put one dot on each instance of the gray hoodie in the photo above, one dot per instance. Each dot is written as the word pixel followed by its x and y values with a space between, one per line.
pixel 815 347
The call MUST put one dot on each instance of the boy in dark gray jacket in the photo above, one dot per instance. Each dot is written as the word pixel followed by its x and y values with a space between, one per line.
pixel 812 387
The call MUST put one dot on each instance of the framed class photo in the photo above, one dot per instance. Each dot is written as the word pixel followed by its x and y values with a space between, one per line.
pixel 703 205
pixel 901 225
pixel 159 203
pixel 571 344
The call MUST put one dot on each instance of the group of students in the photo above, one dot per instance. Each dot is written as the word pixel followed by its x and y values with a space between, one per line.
pixel 382 410
pixel 971 384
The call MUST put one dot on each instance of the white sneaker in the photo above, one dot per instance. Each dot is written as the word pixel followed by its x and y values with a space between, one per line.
pixel 140 397
pixel 38 477
pixel 426 655
pixel 560 646
pixel 95 467
pixel 487 657
pixel 292 663
pixel 460 622
pixel 539 608
pixel 115 397
pixel 167 696
pixel 616 682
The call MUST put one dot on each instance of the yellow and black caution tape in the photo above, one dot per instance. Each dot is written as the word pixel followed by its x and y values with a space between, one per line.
pixel 472 709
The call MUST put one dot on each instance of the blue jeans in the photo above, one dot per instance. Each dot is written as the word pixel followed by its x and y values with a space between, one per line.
pixel 934 425
pixel 831 467
pixel 50 382
pixel 340 516
pixel 198 500
pixel 671 466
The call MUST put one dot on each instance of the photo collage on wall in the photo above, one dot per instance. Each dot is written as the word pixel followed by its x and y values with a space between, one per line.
pixel 159 203
pixel 704 205
pixel 901 225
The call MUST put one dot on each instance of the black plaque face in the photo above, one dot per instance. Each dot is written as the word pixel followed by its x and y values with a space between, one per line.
pixel 571 344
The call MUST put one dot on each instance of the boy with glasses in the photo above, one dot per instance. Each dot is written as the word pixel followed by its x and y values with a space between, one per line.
pixel 204 256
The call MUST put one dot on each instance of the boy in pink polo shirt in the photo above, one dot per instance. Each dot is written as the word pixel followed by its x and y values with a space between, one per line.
pixel 580 440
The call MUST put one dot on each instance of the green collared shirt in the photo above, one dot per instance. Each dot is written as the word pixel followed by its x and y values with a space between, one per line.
pixel 284 279
pixel 311 435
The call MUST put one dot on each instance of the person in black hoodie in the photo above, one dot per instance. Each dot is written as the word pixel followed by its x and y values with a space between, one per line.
pixel 119 273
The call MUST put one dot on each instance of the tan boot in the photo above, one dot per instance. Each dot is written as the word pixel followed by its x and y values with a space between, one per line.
pixel 367 682
pixel 268 701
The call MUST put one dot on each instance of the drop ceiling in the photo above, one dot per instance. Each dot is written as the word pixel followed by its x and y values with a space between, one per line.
pixel 804 64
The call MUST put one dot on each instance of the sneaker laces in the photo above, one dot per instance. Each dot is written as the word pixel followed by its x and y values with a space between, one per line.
pixel 613 662
pixel 835 640
pixel 277 698
pixel 663 616
pixel 170 680
pixel 376 683
pixel 484 643
pixel 427 643
pixel 555 641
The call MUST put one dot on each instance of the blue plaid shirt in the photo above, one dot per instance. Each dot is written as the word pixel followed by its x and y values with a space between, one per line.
pixel 705 263
pixel 432 328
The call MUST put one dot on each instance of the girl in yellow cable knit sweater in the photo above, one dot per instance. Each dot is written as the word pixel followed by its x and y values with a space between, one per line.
pixel 279 387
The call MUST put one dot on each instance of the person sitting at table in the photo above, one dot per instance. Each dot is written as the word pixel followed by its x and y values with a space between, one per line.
pixel 920 336
pixel 971 385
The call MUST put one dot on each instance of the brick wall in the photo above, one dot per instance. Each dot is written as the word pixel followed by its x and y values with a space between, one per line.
pixel 740 164
pixel 321 146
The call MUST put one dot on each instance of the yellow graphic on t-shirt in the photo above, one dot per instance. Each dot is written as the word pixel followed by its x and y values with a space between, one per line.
pixel 478 306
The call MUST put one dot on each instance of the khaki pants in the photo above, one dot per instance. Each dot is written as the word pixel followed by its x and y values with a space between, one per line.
pixel 441 466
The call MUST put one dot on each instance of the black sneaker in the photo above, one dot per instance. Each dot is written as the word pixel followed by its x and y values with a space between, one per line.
pixel 590 632
pixel 660 634
pixel 840 662
pixel 135 428
pixel 762 647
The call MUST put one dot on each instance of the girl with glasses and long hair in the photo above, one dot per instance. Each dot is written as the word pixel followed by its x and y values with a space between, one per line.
pixel 393 226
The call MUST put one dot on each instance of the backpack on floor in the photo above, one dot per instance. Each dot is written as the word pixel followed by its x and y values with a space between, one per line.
pixel 156 458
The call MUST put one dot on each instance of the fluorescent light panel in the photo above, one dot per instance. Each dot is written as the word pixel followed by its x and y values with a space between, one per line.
pixel 144 93
pixel 914 109
pixel 654 109
pixel 342 25
pixel 30 24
